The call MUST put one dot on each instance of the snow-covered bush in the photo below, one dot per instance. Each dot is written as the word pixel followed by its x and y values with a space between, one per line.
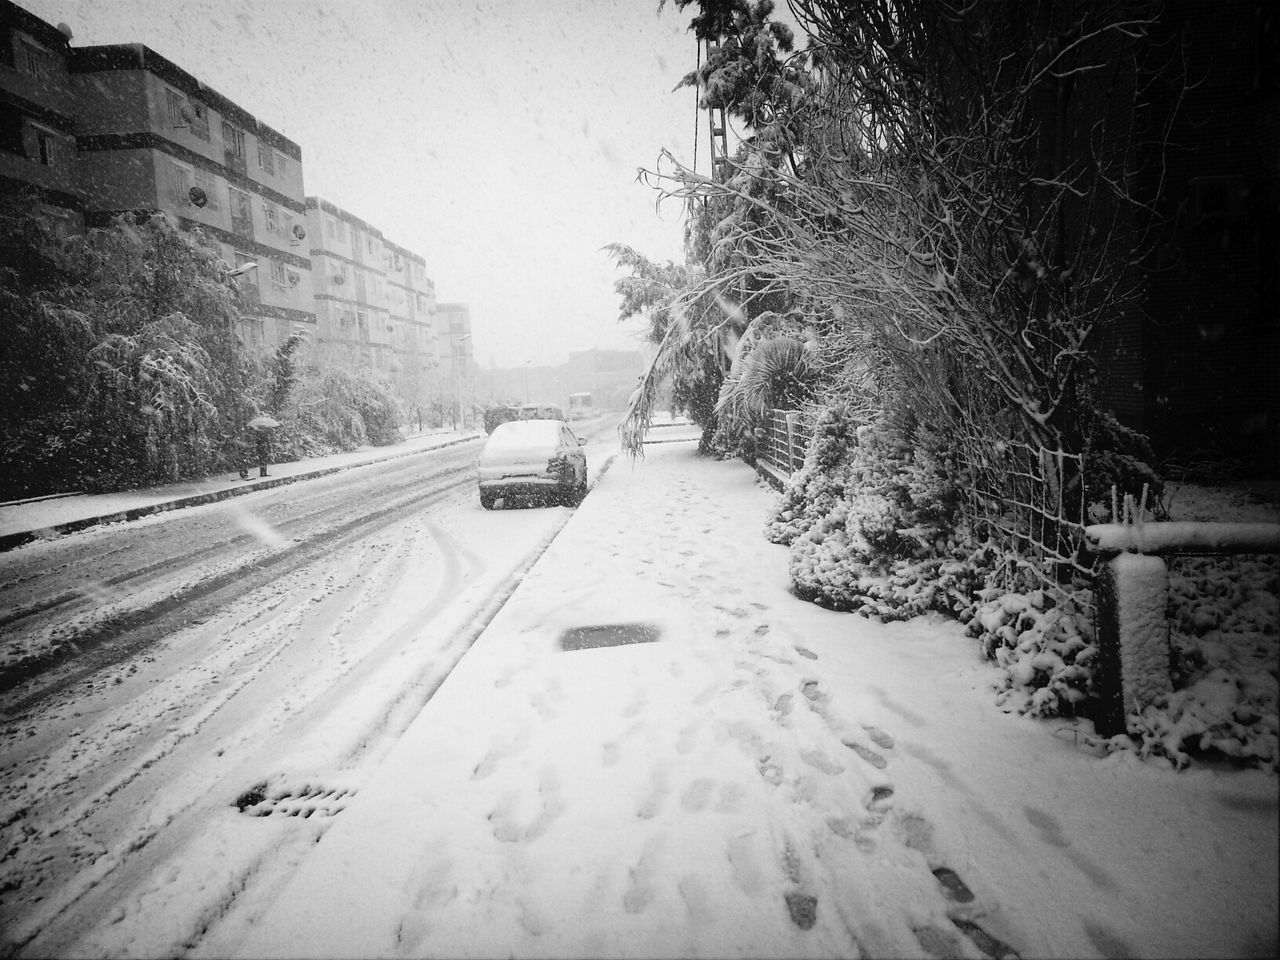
pixel 872 522
pixel 344 409
pixel 1043 639
pixel 1118 458
pixel 814 490
pixel 1224 619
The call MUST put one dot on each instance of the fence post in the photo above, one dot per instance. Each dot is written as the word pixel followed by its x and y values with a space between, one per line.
pixel 1132 594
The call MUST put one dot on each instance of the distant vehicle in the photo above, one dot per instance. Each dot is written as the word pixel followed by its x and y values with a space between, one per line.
pixel 496 415
pixel 540 411
pixel 579 406
pixel 535 460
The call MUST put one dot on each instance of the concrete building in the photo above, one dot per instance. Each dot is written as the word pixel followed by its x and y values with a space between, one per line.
pixel 92 132
pixel 152 136
pixel 455 354
pixel 39 164
pixel 349 287
pixel 374 303
pixel 411 308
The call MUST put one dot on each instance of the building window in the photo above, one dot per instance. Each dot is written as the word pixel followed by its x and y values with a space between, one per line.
pixel 270 216
pixel 206 182
pixel 278 278
pixel 175 104
pixel 282 164
pixel 32 60
pixel 200 120
pixel 233 140
pixel 179 183
pixel 241 213
pixel 46 147
pixel 286 228
pixel 265 155
pixel 247 282
pixel 342 231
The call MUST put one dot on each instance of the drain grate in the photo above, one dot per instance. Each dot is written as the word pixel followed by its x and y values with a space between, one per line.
pixel 308 801
pixel 608 635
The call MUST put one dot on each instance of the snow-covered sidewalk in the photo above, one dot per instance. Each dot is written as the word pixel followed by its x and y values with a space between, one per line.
pixel 656 750
pixel 61 513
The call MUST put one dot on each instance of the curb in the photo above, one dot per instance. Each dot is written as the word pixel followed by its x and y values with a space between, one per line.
pixel 9 541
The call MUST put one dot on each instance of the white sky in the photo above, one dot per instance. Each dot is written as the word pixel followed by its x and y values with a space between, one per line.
pixel 498 138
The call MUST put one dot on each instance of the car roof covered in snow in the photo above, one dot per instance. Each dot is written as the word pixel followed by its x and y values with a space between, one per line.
pixel 523 433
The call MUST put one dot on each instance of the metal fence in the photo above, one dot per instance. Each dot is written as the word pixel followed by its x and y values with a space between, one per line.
pixel 1030 500
pixel 786 440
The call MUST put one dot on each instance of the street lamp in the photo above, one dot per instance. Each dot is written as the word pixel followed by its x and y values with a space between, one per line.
pixel 457 357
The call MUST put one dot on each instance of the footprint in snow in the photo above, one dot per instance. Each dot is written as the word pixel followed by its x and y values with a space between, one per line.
pixel 639 893
pixel 697 794
pixel 507 825
pixel 879 738
pixel 866 753
pixel 810 689
pixel 820 761
pixel 652 804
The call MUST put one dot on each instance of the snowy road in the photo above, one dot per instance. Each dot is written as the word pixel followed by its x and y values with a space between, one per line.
pixel 160 678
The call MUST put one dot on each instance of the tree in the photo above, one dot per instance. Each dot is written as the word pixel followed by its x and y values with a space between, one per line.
pixel 144 371
pixel 950 194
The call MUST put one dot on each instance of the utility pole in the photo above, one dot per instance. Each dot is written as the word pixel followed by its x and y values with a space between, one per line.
pixel 458 355
pixel 719 136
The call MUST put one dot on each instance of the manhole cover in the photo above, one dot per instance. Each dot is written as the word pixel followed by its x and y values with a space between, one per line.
pixel 608 635
pixel 304 802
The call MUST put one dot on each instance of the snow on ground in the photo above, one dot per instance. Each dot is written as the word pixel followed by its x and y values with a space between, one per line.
pixel 746 774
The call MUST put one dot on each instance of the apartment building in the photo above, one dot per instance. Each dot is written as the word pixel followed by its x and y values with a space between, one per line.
pixel 88 133
pixel 374 302
pixel 92 132
pixel 151 135
pixel 39 169
pixel 455 354
pixel 411 306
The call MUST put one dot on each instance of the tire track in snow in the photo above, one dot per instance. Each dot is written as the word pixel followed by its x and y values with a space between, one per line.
pixel 111 636
pixel 182 827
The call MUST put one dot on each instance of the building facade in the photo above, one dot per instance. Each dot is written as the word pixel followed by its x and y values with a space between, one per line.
pixel 455 355
pixel 411 309
pixel 39 162
pixel 88 133
pixel 152 136
pixel 374 303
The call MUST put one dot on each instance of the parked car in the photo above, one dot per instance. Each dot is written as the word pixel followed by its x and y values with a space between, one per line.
pixel 535 460
pixel 496 415
pixel 540 411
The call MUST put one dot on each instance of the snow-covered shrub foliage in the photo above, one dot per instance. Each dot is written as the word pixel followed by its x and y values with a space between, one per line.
pixel 1118 457
pixel 345 409
pixel 813 491
pixel 1044 641
pixel 1224 619
pixel 888 546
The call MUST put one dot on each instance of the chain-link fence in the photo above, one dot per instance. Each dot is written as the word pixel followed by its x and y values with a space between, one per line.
pixel 1029 500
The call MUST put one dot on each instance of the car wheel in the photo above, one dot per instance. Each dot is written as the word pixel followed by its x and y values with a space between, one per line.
pixel 487 499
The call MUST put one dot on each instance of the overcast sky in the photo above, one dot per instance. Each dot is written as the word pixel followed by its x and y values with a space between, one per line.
pixel 498 138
